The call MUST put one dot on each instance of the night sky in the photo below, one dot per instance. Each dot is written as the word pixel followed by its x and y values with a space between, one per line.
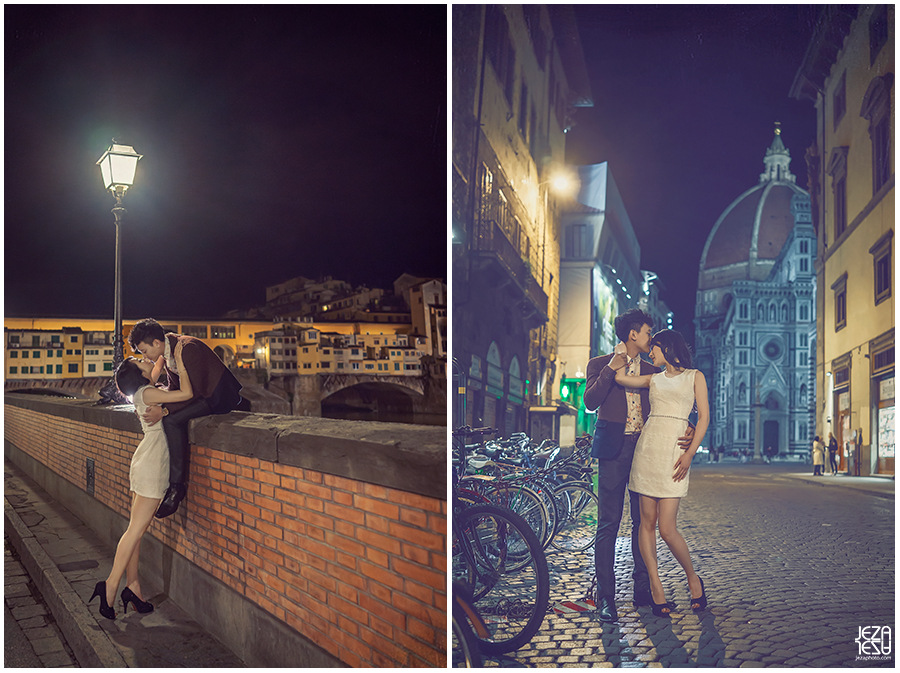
pixel 685 104
pixel 278 141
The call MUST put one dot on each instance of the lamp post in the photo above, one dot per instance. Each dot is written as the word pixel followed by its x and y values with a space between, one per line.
pixel 117 168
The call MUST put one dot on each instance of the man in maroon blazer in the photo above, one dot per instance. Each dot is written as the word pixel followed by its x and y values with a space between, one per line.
pixel 216 391
pixel 621 415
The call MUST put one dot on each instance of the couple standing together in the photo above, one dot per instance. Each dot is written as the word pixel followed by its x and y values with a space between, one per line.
pixel 643 439
pixel 182 373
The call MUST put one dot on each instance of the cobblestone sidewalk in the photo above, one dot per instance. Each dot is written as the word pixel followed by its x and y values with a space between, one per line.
pixel 792 571
pixel 32 638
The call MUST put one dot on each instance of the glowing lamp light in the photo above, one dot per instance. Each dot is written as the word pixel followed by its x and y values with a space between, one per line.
pixel 118 166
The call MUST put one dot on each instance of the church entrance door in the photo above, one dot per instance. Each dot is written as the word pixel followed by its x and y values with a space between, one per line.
pixel 770 436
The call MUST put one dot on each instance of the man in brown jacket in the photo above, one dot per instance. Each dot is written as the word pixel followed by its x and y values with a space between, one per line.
pixel 621 415
pixel 216 391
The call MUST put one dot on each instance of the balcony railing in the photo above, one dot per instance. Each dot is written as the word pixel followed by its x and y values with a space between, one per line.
pixel 490 239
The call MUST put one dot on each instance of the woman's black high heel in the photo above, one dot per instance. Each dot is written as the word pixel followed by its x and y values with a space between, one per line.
pixel 105 609
pixel 701 602
pixel 658 607
pixel 139 605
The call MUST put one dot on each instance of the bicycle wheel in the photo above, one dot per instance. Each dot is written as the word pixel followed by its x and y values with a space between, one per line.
pixel 514 607
pixel 544 489
pixel 464 646
pixel 579 512
pixel 524 502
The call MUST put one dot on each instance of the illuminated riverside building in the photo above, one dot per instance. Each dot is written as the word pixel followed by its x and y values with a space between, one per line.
pixel 47 348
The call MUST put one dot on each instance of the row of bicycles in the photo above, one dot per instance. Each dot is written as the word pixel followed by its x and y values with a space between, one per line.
pixel 513 502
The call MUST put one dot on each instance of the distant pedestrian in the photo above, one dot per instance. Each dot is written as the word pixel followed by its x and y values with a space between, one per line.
pixel 818 455
pixel 832 453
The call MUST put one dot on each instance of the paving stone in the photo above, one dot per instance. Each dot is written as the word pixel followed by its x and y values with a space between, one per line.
pixel 56 660
pixel 32 622
pixel 16 590
pixel 28 611
pixel 39 633
pixel 47 645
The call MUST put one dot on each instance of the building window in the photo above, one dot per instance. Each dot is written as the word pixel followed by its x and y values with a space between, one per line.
pixel 840 302
pixel 92 368
pixel 73 368
pixel 523 110
pixel 878 31
pixel 13 370
pixel 222 332
pixel 73 339
pixel 742 358
pixel 198 331
pixel 876 108
pixel 804 311
pixel 578 241
pixel 742 338
pixel 107 367
pixel 839 102
pixel 14 354
pixel 14 339
pixel 743 311
pixel 499 48
pixel 742 430
pixel 837 169
pixel 881 254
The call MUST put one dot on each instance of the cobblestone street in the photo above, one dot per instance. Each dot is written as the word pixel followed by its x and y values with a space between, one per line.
pixel 792 568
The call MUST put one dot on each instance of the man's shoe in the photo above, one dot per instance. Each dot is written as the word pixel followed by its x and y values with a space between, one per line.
pixel 174 495
pixel 606 609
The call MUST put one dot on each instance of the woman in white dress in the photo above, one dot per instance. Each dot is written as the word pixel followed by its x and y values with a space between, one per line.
pixel 660 469
pixel 149 480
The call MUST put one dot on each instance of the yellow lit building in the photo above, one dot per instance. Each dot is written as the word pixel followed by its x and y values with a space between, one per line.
pixel 46 348
pixel 848 73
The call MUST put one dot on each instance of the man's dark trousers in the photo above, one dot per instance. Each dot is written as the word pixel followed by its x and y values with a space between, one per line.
pixel 225 398
pixel 612 480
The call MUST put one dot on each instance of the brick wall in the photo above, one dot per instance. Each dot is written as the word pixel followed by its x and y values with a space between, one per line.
pixel 358 568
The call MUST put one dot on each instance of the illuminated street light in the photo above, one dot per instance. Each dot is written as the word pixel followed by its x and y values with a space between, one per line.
pixel 118 166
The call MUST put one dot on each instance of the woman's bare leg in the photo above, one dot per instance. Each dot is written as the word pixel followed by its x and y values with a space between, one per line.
pixel 131 572
pixel 142 510
pixel 668 531
pixel 647 542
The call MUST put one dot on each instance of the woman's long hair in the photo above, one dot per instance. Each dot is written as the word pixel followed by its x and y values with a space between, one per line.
pixel 674 348
pixel 129 377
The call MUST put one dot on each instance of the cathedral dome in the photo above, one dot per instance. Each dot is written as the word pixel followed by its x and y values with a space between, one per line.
pixel 749 234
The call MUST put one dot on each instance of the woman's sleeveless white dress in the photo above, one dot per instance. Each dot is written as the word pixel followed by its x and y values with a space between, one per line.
pixel 657 450
pixel 150 463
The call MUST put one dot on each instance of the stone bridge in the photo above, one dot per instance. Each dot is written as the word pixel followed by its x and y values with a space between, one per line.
pixel 329 384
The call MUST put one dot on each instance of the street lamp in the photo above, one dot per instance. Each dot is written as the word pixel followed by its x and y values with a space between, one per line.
pixel 117 168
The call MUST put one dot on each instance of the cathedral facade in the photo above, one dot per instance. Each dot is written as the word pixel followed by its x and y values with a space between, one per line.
pixel 755 322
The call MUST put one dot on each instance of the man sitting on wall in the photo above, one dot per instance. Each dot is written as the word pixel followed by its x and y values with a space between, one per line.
pixel 216 391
